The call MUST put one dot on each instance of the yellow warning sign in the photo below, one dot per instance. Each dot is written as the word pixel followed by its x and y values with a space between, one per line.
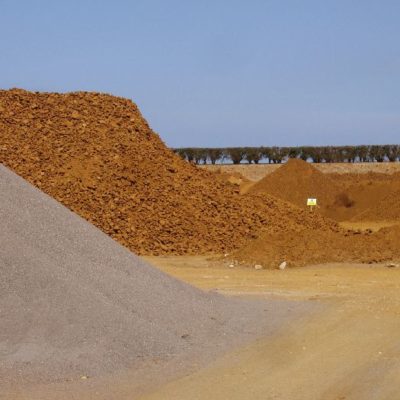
pixel 311 202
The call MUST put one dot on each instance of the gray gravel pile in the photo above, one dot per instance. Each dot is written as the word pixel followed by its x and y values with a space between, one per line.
pixel 75 303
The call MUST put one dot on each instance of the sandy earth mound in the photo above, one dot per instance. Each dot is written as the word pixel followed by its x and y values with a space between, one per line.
pixel 73 302
pixel 97 155
pixel 295 181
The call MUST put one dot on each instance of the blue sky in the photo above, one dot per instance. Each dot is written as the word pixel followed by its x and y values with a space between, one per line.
pixel 222 72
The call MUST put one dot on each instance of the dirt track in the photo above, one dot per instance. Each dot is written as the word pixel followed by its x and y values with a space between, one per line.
pixel 349 350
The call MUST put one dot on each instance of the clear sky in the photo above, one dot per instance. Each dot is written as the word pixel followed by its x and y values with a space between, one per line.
pixel 219 72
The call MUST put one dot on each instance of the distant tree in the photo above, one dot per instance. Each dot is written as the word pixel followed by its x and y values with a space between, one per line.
pixel 362 153
pixel 236 154
pixel 200 155
pixel 392 152
pixel 190 154
pixel 349 153
pixel 325 154
pixel 253 154
pixel 181 153
pixel 266 153
pixel 277 155
pixel 377 153
pixel 214 155
pixel 284 152
pixel 305 153
pixel 316 154
pixel 340 154
pixel 396 152
pixel 329 154
pixel 293 152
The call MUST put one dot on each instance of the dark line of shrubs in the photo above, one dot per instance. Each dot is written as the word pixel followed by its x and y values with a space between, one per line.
pixel 329 154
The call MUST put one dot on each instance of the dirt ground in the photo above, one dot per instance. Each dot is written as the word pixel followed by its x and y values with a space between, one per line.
pixel 347 350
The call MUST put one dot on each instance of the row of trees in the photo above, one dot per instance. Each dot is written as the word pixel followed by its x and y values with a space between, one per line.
pixel 236 155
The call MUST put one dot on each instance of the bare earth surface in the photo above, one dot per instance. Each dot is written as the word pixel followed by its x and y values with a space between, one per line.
pixel 348 350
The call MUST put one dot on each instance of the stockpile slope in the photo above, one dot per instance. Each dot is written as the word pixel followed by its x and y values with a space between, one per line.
pixel 295 181
pixel 74 303
pixel 97 155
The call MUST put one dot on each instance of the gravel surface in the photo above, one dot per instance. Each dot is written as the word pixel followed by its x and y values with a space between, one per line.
pixel 75 303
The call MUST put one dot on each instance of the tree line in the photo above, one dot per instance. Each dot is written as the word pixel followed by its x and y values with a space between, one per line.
pixel 276 155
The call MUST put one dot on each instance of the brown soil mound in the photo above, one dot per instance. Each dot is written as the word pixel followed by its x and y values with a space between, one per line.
pixel 307 247
pixel 97 155
pixel 297 180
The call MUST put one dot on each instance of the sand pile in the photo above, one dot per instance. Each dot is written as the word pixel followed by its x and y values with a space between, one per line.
pixel 297 180
pixel 75 303
pixel 97 155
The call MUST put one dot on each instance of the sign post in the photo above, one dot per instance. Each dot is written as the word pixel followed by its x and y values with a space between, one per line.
pixel 311 203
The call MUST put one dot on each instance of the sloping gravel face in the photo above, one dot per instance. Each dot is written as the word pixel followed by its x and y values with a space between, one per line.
pixel 73 302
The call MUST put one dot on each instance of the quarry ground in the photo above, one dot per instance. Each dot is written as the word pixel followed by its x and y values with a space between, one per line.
pixel 347 350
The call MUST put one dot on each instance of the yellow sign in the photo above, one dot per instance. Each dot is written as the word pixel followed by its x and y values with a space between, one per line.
pixel 311 202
